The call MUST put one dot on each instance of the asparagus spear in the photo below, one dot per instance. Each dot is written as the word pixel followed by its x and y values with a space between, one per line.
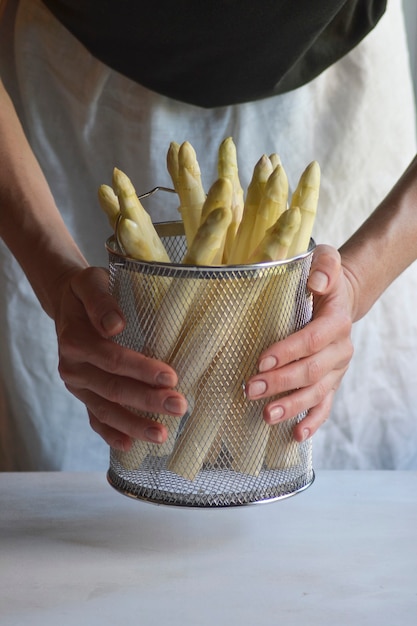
pixel 282 451
pixel 209 238
pixel 109 203
pixel 228 168
pixel 175 307
pixel 219 195
pixel 240 249
pixel 306 197
pixel 172 164
pixel 189 188
pixel 136 231
pixel 221 380
pixel 249 453
pixel 272 204
pixel 203 424
pixel 275 160
pixel 277 240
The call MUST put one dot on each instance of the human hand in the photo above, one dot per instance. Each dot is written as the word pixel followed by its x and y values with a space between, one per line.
pixel 107 377
pixel 312 362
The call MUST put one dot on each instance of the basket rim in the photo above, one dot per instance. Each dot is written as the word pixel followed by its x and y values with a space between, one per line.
pixel 175 229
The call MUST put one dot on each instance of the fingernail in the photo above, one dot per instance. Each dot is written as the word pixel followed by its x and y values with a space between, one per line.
pixel 268 363
pixel 175 405
pixel 257 388
pixel 306 433
pixel 318 281
pixel 110 321
pixel 165 379
pixel 153 434
pixel 276 413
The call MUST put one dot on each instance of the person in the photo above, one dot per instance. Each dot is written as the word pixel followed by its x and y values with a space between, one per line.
pixel 68 115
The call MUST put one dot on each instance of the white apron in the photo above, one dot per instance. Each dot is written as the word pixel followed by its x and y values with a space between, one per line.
pixel 82 119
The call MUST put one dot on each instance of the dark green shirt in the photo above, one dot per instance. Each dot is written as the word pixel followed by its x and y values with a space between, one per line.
pixel 219 52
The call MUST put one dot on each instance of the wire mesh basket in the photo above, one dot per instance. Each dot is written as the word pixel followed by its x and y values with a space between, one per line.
pixel 211 324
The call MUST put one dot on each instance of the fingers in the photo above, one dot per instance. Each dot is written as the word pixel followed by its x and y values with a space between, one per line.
pixel 314 419
pixel 307 367
pixel 295 403
pixel 325 269
pixel 108 377
pixel 309 343
pixel 307 372
pixel 124 391
pixel 77 349
pixel 91 287
pixel 129 426
pixel 307 383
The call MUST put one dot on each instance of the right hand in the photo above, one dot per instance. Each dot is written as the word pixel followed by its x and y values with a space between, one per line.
pixel 107 377
pixel 306 368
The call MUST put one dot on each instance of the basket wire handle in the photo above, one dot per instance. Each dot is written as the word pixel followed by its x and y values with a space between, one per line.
pixel 140 196
pixel 154 190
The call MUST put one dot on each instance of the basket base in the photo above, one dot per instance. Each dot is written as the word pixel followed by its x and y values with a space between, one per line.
pixel 172 499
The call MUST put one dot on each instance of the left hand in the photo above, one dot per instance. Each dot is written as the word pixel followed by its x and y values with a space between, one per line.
pixel 310 363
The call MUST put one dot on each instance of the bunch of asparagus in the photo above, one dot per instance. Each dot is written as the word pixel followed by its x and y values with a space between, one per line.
pixel 222 227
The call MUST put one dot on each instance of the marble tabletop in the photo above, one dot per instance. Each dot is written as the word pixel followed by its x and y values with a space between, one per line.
pixel 73 551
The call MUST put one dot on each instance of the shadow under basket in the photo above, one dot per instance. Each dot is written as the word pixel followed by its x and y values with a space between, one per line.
pixel 211 324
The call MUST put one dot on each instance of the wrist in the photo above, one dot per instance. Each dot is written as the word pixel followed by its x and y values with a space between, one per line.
pixel 352 287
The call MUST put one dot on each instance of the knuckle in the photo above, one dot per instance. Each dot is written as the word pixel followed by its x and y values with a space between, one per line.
pixel 66 373
pixel 149 398
pixel 314 371
pixel 103 413
pixel 113 361
pixel 93 421
pixel 115 389
pixel 314 341
pixel 345 323
pixel 285 382
pixel 320 392
pixel 351 351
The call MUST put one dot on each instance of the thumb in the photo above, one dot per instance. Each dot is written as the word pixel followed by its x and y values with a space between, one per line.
pixel 91 287
pixel 325 269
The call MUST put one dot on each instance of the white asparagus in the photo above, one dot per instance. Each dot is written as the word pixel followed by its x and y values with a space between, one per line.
pixel 306 198
pixel 209 238
pixel 278 238
pixel 203 424
pixel 139 244
pixel 190 190
pixel 109 203
pixel 275 159
pixel 240 249
pixel 219 195
pixel 172 163
pixel 272 204
pixel 228 168
pixel 135 228
pixel 282 451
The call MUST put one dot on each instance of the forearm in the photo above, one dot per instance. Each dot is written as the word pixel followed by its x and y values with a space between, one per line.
pixel 384 246
pixel 30 223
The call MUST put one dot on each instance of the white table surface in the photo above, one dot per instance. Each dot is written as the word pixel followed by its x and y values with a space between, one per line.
pixel 73 551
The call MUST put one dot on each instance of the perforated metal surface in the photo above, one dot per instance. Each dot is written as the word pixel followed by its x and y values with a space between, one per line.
pixel 211 324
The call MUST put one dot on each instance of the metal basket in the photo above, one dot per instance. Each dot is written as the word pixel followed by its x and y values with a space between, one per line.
pixel 211 324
